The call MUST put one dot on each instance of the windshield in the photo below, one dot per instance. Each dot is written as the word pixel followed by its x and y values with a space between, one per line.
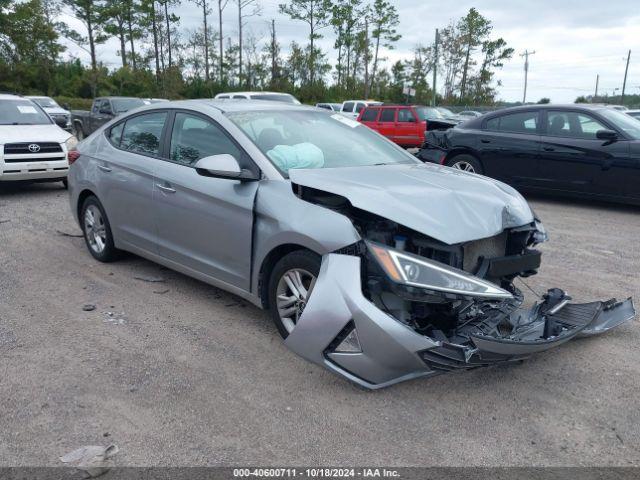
pixel 315 139
pixel 46 102
pixel 22 112
pixel 624 122
pixel 121 105
pixel 426 113
pixel 281 97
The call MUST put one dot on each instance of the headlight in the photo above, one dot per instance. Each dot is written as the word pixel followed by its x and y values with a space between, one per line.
pixel 71 143
pixel 407 269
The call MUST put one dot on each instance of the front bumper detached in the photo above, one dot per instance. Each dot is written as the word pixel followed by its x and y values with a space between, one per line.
pixel 381 351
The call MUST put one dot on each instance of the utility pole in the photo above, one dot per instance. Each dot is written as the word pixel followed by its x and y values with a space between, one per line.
pixel 624 84
pixel 526 72
pixel 435 68
pixel 597 83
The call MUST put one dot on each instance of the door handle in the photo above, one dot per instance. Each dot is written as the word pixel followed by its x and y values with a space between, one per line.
pixel 549 149
pixel 485 140
pixel 165 189
pixel 104 168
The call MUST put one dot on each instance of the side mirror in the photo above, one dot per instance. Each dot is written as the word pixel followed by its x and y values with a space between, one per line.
pixel 106 111
pixel 608 135
pixel 224 166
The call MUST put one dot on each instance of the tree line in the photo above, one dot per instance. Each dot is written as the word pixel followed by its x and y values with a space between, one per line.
pixel 159 58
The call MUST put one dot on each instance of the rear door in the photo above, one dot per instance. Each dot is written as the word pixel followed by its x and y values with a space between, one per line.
pixel 509 146
pixel 126 178
pixel 387 123
pixel 572 158
pixel 204 223
pixel 408 129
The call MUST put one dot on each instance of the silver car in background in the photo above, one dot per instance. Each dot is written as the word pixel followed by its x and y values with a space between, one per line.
pixel 371 263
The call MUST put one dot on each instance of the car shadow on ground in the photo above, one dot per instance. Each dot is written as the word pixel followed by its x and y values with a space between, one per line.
pixel 8 189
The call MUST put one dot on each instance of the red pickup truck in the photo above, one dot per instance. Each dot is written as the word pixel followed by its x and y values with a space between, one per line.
pixel 403 124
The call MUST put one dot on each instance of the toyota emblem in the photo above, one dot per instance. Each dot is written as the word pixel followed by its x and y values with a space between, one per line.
pixel 34 148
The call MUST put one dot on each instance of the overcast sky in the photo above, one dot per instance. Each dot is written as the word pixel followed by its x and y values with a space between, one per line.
pixel 574 40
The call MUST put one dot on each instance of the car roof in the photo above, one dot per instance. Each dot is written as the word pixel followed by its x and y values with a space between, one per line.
pixel 8 96
pixel 37 96
pixel 231 105
pixel 255 92
pixel 571 106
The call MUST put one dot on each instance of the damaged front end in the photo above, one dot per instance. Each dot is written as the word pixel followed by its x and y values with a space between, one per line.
pixel 399 305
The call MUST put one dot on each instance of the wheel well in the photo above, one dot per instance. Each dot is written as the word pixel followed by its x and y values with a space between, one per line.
pixel 81 198
pixel 268 263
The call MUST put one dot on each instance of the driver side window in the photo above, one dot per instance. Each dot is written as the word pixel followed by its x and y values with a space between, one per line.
pixel 194 137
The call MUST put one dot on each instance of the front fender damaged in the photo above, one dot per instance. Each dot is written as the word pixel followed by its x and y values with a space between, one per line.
pixel 383 350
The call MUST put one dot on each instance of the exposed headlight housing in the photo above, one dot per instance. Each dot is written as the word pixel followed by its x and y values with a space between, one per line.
pixel 407 269
pixel 71 143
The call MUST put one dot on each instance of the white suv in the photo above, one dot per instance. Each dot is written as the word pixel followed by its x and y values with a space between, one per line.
pixel 32 146
pixel 352 108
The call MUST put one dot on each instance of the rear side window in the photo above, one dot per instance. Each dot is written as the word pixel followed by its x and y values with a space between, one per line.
pixel 406 116
pixel 348 107
pixel 142 133
pixel 115 134
pixel 360 107
pixel 388 115
pixel 370 115
pixel 194 138
pixel 524 122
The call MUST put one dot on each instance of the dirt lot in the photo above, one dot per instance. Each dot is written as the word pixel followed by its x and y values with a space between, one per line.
pixel 183 374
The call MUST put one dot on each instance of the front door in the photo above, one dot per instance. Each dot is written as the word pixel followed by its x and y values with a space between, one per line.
pixel 204 223
pixel 408 129
pixel 572 158
pixel 387 123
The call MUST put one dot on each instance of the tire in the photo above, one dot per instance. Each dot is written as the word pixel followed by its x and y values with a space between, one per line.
pixel 65 184
pixel 301 266
pixel 97 231
pixel 467 163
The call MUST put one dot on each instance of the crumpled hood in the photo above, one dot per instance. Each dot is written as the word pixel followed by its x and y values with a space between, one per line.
pixel 446 204
pixel 33 133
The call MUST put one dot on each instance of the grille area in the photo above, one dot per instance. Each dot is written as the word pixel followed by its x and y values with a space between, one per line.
pixel 492 247
pixel 23 148
pixel 33 159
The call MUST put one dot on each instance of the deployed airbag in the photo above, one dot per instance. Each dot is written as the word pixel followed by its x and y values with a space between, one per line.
pixel 301 155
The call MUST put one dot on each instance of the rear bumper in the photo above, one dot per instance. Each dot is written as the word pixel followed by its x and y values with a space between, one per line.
pixel 431 155
pixel 390 352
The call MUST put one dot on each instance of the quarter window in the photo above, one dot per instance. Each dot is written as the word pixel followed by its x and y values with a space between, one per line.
pixel 524 122
pixel 572 125
pixel 142 133
pixel 115 134
pixel 388 115
pixel 194 138
pixel 370 115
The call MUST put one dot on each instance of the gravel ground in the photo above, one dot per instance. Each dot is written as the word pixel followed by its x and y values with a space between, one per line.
pixel 179 373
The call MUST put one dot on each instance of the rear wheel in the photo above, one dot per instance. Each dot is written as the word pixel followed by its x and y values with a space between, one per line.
pixel 291 284
pixel 97 231
pixel 466 163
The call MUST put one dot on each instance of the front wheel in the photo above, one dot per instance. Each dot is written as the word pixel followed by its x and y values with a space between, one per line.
pixel 466 163
pixel 97 231
pixel 79 132
pixel 290 287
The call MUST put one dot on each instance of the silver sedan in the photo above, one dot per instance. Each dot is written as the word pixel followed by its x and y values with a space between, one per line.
pixel 371 264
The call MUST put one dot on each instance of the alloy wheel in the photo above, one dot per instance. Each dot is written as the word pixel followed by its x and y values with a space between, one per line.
pixel 464 166
pixel 292 294
pixel 95 229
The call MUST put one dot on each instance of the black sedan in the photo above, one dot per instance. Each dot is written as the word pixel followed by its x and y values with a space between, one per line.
pixel 574 149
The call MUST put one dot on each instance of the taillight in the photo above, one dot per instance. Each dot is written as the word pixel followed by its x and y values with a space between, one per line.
pixel 72 156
